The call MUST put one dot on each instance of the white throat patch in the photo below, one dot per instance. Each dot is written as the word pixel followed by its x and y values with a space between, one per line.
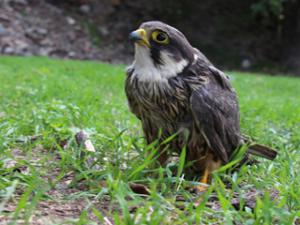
pixel 145 70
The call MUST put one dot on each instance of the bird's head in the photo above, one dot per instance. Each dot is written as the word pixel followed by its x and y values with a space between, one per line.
pixel 161 51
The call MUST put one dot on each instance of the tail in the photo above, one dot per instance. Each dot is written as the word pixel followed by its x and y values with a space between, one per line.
pixel 262 151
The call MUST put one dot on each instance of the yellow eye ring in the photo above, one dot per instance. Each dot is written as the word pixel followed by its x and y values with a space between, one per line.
pixel 160 37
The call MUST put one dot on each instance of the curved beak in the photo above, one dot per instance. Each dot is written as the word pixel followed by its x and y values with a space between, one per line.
pixel 140 37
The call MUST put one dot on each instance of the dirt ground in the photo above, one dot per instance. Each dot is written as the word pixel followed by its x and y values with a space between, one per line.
pixel 60 208
pixel 40 28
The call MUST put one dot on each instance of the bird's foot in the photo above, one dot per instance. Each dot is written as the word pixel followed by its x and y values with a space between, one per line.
pixel 200 189
pixel 203 185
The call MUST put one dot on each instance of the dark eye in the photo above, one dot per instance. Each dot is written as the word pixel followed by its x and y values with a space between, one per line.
pixel 160 37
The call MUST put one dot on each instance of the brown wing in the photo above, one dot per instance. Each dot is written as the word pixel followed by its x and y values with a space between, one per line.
pixel 216 114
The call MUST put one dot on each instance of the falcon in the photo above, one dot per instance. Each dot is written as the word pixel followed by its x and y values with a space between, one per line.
pixel 175 91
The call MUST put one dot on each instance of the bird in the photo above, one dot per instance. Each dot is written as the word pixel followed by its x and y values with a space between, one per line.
pixel 175 91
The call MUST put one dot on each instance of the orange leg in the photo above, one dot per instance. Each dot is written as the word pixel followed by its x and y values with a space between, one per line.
pixel 210 166
pixel 204 182
pixel 202 188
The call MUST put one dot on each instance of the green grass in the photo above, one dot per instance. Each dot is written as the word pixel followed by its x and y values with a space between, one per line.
pixel 54 99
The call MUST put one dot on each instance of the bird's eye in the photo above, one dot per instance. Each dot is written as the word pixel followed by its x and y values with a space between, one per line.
pixel 160 37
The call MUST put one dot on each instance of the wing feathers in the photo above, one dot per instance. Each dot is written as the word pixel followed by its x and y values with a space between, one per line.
pixel 215 112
